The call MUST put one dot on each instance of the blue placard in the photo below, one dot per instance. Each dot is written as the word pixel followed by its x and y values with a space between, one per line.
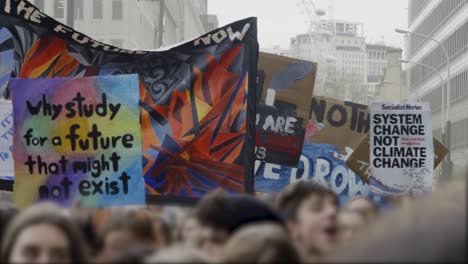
pixel 319 162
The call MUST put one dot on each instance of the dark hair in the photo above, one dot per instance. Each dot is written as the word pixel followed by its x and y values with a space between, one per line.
pixel 260 243
pixel 138 222
pixel 136 255
pixel 6 214
pixel 220 211
pixel 48 214
pixel 292 196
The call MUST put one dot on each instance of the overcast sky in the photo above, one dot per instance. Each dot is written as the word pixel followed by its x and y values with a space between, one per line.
pixel 279 20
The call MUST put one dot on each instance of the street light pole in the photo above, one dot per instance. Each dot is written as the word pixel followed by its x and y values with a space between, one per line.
pixel 448 130
pixel 447 113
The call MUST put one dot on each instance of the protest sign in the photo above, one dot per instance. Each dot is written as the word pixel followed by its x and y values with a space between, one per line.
pixel 77 139
pixel 359 159
pixel 333 131
pixel 401 148
pixel 339 123
pixel 319 162
pixel 284 89
pixel 6 140
pixel 197 99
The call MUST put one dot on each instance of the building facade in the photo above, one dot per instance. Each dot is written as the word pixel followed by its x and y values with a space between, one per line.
pixel 392 86
pixel 376 58
pixel 446 21
pixel 132 24
pixel 386 80
pixel 339 49
pixel 213 22
pixel 277 50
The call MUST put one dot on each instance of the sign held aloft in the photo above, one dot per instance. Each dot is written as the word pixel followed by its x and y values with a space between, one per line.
pixel 401 148
pixel 78 140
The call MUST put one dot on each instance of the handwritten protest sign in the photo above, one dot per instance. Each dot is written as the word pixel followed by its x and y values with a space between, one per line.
pixel 6 140
pixel 333 131
pixel 339 123
pixel 77 139
pixel 401 148
pixel 284 90
pixel 319 162
pixel 196 99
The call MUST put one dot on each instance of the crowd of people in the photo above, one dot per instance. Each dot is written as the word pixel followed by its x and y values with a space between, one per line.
pixel 305 223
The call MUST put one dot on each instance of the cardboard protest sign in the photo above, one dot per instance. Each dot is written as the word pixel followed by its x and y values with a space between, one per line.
pixel 284 89
pixel 6 140
pixel 197 100
pixel 339 123
pixel 439 152
pixel 359 159
pixel 334 129
pixel 77 139
pixel 319 162
pixel 401 148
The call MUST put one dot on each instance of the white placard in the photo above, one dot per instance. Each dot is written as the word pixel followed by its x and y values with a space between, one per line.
pixel 6 140
pixel 401 148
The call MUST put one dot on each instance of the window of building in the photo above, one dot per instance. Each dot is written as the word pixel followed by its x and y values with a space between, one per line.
pixel 78 9
pixel 39 4
pixel 340 27
pixel 59 9
pixel 98 9
pixel 117 10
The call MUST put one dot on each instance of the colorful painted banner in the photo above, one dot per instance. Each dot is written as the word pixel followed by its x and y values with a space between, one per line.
pixel 196 99
pixel 77 140
pixel 6 141
pixel 284 89
pixel 319 162
pixel 401 148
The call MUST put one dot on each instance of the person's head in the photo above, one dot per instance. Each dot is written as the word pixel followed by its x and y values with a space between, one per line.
pixel 43 234
pixel 260 243
pixel 363 206
pixel 126 227
pixel 220 215
pixel 190 231
pixel 310 210
pixel 82 218
pixel 179 254
pixel 163 231
pixel 350 222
